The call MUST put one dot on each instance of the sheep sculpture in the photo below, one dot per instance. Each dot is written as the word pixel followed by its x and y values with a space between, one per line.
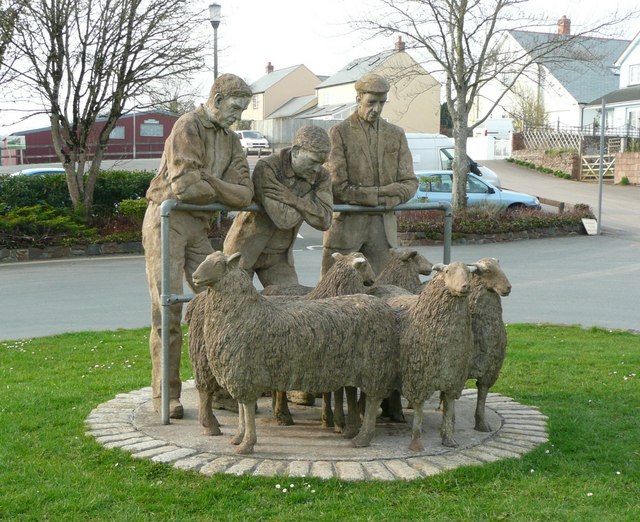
pixel 436 346
pixel 350 274
pixel 254 344
pixel 489 332
pixel 401 275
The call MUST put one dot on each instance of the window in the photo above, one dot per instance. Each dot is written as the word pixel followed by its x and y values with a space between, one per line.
pixel 476 187
pixel 117 133
pixel 634 74
pixel 633 119
pixel 255 102
pixel 152 128
pixel 446 159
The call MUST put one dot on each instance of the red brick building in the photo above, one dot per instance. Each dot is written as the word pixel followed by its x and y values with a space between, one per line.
pixel 135 136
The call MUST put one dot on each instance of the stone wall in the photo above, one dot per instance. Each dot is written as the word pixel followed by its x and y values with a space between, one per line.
pixel 11 255
pixel 628 165
pixel 568 162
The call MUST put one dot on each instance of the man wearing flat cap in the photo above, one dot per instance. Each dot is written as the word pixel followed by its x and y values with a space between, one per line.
pixel 291 186
pixel 370 165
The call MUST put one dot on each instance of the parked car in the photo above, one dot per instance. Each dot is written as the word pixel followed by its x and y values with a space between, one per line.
pixel 437 186
pixel 39 171
pixel 436 152
pixel 253 141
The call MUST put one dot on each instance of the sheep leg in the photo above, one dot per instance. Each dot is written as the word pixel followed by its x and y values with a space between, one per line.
pixel 481 422
pixel 250 438
pixel 392 407
pixel 416 429
pixel 207 419
pixel 338 419
pixel 327 412
pixel 448 421
pixel 239 435
pixel 369 424
pixel 281 408
pixel 352 425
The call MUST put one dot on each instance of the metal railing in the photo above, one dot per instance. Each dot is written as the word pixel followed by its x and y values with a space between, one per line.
pixel 167 299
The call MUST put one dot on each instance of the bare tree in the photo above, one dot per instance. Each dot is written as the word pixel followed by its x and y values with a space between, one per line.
pixel 527 108
pixel 462 40
pixel 86 58
pixel 10 10
pixel 173 95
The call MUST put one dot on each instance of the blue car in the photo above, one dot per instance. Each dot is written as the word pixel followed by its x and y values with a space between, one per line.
pixel 437 186
pixel 39 171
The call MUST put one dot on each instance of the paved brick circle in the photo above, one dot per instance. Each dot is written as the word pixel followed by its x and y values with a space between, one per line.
pixel 306 449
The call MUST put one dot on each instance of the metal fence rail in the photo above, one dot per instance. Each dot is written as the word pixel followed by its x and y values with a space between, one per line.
pixel 167 299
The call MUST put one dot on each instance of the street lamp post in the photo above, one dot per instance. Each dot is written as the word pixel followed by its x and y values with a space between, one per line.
pixel 214 18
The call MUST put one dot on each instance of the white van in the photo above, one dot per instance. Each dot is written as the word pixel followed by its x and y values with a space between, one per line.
pixel 433 152
pixel 498 128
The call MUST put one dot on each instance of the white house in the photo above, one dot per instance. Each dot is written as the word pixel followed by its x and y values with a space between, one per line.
pixel 564 80
pixel 622 106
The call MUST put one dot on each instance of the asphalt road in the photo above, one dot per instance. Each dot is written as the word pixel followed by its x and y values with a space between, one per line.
pixel 585 280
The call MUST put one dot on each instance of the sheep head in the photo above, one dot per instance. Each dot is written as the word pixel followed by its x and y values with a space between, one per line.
pixel 215 266
pixel 423 265
pixel 492 277
pixel 456 276
pixel 360 264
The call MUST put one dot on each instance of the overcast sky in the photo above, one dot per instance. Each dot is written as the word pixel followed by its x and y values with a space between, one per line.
pixel 316 33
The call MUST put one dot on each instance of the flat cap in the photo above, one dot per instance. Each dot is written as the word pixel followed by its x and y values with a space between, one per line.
pixel 312 138
pixel 372 83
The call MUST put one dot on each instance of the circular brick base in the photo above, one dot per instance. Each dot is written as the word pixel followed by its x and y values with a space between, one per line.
pixel 306 449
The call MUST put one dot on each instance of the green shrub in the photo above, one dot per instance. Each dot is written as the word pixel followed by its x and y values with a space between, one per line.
pixel 133 209
pixel 26 191
pixel 111 188
pixel 487 220
pixel 624 180
pixel 41 225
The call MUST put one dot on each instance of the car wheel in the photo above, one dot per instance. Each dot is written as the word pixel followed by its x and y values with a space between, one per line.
pixel 246 151
pixel 516 207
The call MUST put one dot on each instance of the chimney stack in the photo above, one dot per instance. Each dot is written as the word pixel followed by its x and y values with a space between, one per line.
pixel 399 46
pixel 564 25
pixel 269 68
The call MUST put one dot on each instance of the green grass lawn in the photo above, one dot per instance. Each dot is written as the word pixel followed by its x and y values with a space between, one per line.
pixel 585 381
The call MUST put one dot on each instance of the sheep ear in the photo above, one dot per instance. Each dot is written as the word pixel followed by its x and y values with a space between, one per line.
pixel 358 262
pixel 473 268
pixel 233 260
pixel 408 254
pixel 438 267
pixel 336 255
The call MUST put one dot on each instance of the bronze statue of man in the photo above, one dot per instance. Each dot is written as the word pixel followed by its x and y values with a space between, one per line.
pixel 370 165
pixel 291 187
pixel 202 163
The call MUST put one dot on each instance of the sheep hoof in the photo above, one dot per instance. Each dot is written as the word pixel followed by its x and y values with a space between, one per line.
pixel 449 442
pixel 244 449
pixel 338 428
pixel 237 439
pixel 482 426
pixel 212 431
pixel 284 420
pixel 361 441
pixel 416 445
pixel 328 424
